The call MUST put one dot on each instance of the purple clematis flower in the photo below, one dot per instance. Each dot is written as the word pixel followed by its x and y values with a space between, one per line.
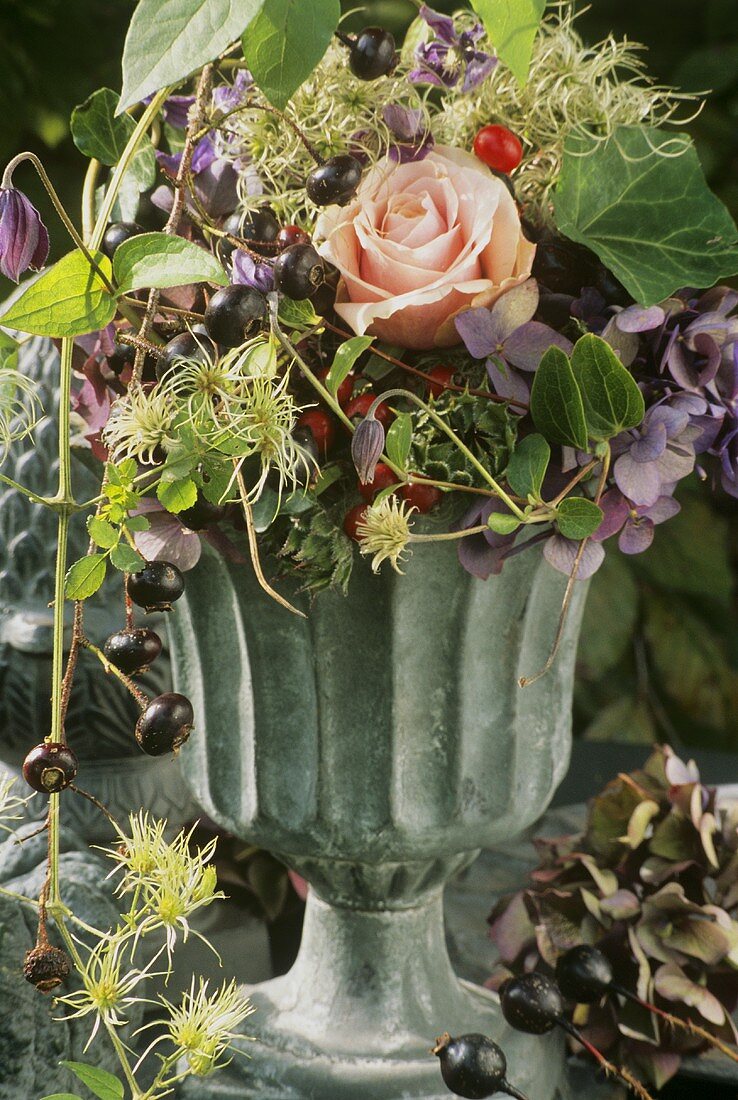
pixel 24 240
pixel 176 110
pixel 507 337
pixel 656 455
pixel 229 97
pixel 248 272
pixel 451 56
pixel 407 125
pixel 636 523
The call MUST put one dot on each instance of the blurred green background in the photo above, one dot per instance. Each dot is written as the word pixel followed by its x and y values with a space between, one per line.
pixel 659 658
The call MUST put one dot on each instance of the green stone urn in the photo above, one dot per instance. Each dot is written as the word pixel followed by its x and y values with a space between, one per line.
pixel 375 746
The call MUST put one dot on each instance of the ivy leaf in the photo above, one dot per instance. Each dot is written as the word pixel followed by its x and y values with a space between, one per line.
pixel 97 131
pixel 578 518
pixel 512 26
pixel 285 42
pixel 612 400
pixel 84 578
pixel 125 558
pixel 69 299
pixel 177 495
pixel 556 401
pixel 399 439
pixel 646 210
pixel 161 260
pixel 98 1081
pixel 102 533
pixel 344 360
pixel 169 39
pixel 527 466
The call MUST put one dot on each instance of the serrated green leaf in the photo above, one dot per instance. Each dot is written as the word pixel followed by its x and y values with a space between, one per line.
pixel 177 495
pixel 399 439
pixel 612 400
pixel 102 533
pixel 527 466
pixel 556 401
pixel 578 518
pixel 161 260
pixel 503 523
pixel 285 41
pixel 96 129
pixel 67 300
pixel 103 1084
pixel 512 26
pixel 85 577
pixel 169 39
pixel 646 210
pixel 125 558
pixel 344 359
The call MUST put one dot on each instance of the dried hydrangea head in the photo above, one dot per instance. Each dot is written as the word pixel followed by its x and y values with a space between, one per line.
pixel 385 532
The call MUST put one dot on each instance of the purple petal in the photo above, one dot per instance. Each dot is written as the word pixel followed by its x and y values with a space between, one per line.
pixel 479 558
pixel 506 382
pixel 480 332
pixel 636 536
pixel 216 188
pixel 640 319
pixel 425 76
pixel 674 464
pixel 410 154
pixel 176 110
pixel 170 162
pixel 24 240
pixel 406 123
pixel 443 25
pixel 477 71
pixel 367 445
pixel 167 539
pixel 665 508
pixel 651 444
pixel 162 197
pixel 228 97
pixel 525 347
pixel 247 272
pixel 616 510
pixel 638 481
pixel 204 154
pixel 515 307
pixel 624 344
pixel 675 420
pixel 561 553
pixel 706 347
pixel 719 299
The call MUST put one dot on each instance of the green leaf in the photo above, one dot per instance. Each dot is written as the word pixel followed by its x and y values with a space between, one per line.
pixel 125 558
pixel 399 439
pixel 297 313
pixel 650 216
pixel 503 523
pixel 556 401
pixel 102 533
pixel 85 577
pixel 612 400
pixel 527 466
pixel 177 495
pixel 161 260
pixel 8 352
pixel 103 1084
pixel 344 360
pixel 67 300
pixel 512 26
pixel 62 1096
pixel 285 42
pixel 169 39
pixel 97 132
pixel 578 518
pixel 137 523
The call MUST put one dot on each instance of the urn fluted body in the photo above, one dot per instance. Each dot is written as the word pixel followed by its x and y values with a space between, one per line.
pixel 375 746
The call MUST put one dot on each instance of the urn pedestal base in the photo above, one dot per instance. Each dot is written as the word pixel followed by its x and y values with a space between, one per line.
pixel 356 1017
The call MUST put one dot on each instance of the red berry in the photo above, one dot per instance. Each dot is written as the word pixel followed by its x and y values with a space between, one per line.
pixel 499 148
pixel 359 406
pixel 321 426
pixel 352 519
pixel 443 376
pixel 383 478
pixel 420 495
pixel 291 234
pixel 345 390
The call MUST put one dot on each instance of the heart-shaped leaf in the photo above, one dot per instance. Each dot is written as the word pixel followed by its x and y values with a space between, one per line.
pixel 512 26
pixel 612 400
pixel 69 299
pixel 161 260
pixel 578 518
pixel 556 401
pixel 285 42
pixel 527 466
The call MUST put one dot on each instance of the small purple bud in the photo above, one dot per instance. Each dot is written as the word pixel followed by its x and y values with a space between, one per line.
pixel 367 446
pixel 24 241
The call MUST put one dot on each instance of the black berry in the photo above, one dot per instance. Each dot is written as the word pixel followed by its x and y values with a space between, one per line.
pixel 532 1003
pixel 165 724
pixel 120 357
pixel 118 232
pixel 195 345
pixel 224 249
pixel 157 586
pixel 372 54
pixel 202 514
pixel 298 271
pixel 50 767
pixel 336 181
pixel 260 229
pixel 233 313
pixel 46 967
pixel 473 1066
pixel 132 650
pixel 584 974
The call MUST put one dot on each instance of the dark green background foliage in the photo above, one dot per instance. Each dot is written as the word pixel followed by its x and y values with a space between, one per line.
pixel 660 651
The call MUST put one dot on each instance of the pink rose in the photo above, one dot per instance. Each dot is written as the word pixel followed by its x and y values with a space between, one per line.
pixel 421 242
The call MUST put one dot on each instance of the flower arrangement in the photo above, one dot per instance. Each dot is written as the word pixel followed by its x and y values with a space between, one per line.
pixel 325 288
